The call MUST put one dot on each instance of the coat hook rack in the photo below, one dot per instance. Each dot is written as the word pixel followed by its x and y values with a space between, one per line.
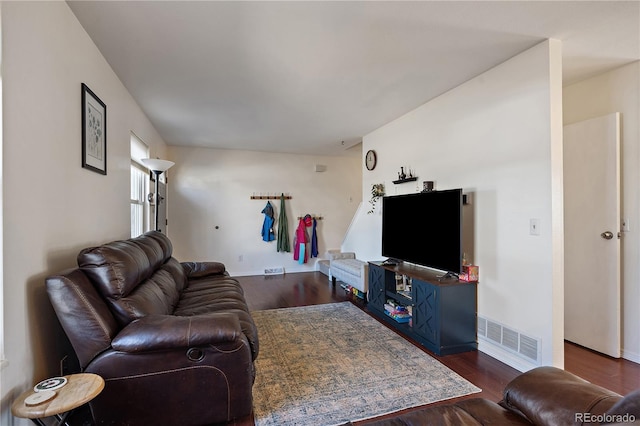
pixel 312 217
pixel 269 197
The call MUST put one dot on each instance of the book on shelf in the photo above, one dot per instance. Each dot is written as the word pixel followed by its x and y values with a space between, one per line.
pixel 401 318
pixel 398 308
pixel 398 312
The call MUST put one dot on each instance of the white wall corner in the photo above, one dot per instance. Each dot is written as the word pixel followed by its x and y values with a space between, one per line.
pixel 557 200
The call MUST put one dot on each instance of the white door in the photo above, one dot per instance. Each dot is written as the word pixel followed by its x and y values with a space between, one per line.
pixel 592 225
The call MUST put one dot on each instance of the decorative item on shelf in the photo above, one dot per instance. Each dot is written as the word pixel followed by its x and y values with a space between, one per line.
pixel 158 167
pixel 399 282
pixel 404 177
pixel 428 186
pixel 377 191
pixel 469 273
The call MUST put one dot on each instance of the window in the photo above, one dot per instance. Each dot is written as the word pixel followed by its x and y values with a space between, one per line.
pixel 139 187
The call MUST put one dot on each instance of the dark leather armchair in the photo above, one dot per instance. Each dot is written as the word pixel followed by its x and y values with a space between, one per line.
pixel 174 341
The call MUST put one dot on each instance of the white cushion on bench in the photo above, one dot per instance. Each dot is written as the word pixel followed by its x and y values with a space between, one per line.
pixel 350 266
pixel 346 268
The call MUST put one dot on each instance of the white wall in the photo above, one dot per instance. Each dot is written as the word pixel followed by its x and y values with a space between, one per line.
pixel 497 136
pixel 52 206
pixel 212 187
pixel 619 91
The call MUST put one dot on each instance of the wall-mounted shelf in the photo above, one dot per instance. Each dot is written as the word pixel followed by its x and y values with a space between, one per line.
pixel 405 180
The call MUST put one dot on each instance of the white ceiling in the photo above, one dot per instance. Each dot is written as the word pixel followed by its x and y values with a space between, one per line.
pixel 302 77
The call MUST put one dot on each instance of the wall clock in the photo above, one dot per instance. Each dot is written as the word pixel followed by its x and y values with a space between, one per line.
pixel 370 160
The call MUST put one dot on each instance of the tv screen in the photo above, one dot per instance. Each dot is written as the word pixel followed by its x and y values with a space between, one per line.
pixel 424 228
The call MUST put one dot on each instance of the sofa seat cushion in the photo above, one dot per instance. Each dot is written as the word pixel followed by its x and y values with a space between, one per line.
pixel 204 269
pixel 209 292
pixel 219 296
pixel 213 285
pixel 350 266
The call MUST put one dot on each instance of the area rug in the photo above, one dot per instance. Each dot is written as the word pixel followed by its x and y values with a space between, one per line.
pixel 329 364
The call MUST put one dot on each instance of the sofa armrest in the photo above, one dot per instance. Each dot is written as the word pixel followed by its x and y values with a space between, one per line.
pixel 203 269
pixel 551 396
pixel 162 332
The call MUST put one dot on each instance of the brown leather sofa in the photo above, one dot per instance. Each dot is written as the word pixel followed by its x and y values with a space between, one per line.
pixel 544 396
pixel 174 341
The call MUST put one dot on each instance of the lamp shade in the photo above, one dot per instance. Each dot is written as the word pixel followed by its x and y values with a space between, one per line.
pixel 157 165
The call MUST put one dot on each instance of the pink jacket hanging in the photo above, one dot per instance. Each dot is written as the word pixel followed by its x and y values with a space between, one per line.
pixel 299 251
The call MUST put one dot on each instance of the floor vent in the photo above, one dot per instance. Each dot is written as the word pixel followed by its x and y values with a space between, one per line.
pixel 520 344
pixel 274 271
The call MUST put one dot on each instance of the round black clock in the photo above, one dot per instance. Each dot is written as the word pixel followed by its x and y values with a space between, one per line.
pixel 370 160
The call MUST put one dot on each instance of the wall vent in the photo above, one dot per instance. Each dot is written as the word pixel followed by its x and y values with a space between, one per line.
pixel 279 270
pixel 507 338
pixel 482 326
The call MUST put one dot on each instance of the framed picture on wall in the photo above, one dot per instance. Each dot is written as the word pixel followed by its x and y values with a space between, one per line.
pixel 94 132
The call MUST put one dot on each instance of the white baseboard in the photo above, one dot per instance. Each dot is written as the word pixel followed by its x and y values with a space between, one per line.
pixel 505 356
pixel 631 356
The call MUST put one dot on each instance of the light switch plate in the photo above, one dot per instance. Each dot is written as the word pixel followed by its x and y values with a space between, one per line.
pixel 534 226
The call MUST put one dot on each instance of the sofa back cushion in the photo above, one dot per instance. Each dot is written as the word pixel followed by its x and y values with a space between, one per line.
pixel 136 277
pixel 83 314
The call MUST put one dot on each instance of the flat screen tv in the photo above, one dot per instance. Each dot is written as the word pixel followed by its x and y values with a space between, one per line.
pixel 424 228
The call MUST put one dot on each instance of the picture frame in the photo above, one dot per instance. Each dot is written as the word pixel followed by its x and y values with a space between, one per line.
pixel 94 132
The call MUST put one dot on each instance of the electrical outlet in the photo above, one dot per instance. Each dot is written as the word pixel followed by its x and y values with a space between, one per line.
pixel 534 226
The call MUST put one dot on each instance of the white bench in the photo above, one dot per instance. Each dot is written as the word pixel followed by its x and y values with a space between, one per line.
pixel 346 268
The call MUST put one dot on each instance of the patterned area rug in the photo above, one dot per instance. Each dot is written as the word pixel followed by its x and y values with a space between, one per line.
pixel 329 364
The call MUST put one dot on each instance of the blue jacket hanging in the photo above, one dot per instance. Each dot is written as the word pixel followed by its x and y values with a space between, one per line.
pixel 267 225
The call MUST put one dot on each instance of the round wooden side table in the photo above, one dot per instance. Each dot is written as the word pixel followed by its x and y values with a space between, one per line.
pixel 80 389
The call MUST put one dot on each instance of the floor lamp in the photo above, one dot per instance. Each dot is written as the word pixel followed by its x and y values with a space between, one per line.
pixel 158 167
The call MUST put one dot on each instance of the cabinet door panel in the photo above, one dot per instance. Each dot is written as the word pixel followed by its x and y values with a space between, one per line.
pixel 376 287
pixel 425 312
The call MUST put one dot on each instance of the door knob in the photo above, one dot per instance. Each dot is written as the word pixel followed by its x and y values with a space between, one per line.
pixel 607 235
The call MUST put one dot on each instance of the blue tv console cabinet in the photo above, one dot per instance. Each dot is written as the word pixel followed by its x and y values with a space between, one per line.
pixel 443 311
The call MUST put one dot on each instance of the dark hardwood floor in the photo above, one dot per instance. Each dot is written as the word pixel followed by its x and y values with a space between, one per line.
pixel 312 288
